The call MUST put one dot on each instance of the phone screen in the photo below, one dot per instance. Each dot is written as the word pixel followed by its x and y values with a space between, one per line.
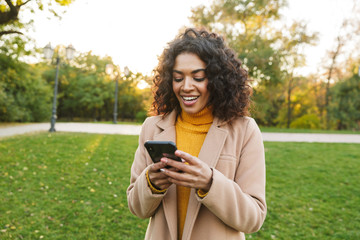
pixel 159 149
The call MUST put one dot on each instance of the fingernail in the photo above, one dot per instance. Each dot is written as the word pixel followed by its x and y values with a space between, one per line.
pixel 162 170
pixel 182 160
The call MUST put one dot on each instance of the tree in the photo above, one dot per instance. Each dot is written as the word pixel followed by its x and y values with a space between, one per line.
pixel 335 62
pixel 344 107
pixel 14 41
pixel 333 56
pixel 86 92
pixel 246 25
pixel 292 42
pixel 131 99
pixel 269 54
pixel 84 88
pixel 10 21
pixel 24 95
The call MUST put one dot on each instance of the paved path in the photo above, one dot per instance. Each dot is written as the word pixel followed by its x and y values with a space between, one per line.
pixel 135 130
pixel 72 127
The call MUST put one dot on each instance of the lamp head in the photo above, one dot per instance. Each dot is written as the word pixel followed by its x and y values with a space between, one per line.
pixel 126 71
pixel 70 50
pixel 48 51
pixel 109 69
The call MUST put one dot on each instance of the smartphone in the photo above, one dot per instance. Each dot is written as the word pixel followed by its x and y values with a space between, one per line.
pixel 159 149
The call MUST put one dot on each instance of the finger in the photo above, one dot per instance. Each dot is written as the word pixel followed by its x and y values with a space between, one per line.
pixel 162 182
pixel 187 180
pixel 181 182
pixel 174 165
pixel 178 176
pixel 171 169
pixel 187 157
pixel 155 167
pixel 156 175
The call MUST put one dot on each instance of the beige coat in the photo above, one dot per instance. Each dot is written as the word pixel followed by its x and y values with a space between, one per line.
pixel 235 203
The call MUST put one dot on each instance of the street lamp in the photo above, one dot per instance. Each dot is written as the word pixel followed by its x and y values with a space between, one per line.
pixel 48 53
pixel 109 69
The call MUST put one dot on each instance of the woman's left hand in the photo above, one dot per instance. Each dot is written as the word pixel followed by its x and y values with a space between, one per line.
pixel 196 174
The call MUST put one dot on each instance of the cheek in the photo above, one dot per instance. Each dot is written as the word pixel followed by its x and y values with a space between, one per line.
pixel 204 89
pixel 175 87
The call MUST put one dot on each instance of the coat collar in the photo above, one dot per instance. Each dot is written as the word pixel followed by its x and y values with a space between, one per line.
pixel 167 121
pixel 209 153
pixel 167 126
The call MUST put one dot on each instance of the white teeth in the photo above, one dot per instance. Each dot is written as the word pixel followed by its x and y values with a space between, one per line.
pixel 189 98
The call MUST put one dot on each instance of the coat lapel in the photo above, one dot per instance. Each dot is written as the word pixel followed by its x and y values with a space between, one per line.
pixel 168 133
pixel 209 153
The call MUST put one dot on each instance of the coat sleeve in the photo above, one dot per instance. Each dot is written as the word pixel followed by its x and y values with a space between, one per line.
pixel 240 202
pixel 141 201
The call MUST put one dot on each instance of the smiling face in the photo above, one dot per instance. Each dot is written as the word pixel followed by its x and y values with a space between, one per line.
pixel 190 83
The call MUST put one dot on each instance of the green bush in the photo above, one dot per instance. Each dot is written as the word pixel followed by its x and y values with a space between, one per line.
pixel 141 116
pixel 307 121
pixel 24 95
pixel 344 108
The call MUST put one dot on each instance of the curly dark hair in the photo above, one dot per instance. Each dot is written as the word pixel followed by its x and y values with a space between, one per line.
pixel 228 82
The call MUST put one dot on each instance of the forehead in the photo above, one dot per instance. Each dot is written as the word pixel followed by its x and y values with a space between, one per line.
pixel 188 61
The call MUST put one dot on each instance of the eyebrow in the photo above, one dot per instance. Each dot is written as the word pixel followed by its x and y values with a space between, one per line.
pixel 193 72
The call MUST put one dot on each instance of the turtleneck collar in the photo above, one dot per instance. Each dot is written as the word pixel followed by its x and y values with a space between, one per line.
pixel 203 117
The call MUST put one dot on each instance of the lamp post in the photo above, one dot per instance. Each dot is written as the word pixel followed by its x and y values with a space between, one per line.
pixel 48 53
pixel 109 69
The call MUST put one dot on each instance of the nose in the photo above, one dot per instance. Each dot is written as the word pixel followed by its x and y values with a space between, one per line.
pixel 188 85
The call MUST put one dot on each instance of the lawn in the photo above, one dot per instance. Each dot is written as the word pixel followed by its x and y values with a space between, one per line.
pixel 73 186
pixel 294 130
pixel 67 186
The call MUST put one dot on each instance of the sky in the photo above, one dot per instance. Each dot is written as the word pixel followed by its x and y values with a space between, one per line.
pixel 135 32
pixel 324 17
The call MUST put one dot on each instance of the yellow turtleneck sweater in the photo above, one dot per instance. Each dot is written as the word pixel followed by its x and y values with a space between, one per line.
pixel 191 131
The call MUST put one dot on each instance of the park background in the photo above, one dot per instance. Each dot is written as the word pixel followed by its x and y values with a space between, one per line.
pixel 73 186
pixel 303 77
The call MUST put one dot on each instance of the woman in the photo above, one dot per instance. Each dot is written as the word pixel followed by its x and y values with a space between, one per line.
pixel 201 99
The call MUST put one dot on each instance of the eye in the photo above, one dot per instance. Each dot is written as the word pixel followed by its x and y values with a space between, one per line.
pixel 178 79
pixel 199 79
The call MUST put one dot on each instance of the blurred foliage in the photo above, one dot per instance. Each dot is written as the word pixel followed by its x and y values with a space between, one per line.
pixel 24 94
pixel 270 50
pixel 269 54
pixel 85 92
pixel 12 12
pixel 307 121
pixel 345 104
pixel 14 26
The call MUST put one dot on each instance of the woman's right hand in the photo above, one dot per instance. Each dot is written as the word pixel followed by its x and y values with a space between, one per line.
pixel 157 178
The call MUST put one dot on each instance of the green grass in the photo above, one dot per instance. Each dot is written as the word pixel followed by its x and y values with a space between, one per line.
pixel 313 191
pixel 67 186
pixel 73 186
pixel 294 130
pixel 11 124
